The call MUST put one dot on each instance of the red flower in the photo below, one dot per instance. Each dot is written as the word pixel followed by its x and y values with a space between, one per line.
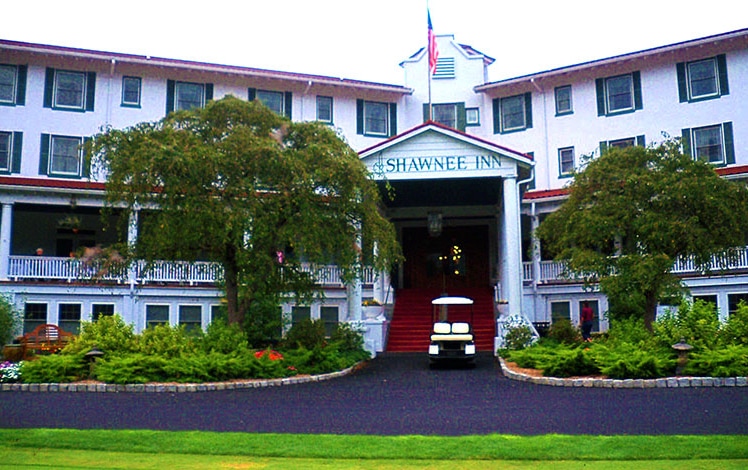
pixel 271 354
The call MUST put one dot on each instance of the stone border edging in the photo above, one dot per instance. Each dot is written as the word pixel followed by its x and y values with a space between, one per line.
pixel 667 382
pixel 174 388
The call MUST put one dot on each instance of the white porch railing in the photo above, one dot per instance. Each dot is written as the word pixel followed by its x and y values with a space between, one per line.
pixel 554 270
pixel 197 272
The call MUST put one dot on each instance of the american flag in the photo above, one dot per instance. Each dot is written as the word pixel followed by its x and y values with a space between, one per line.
pixel 433 50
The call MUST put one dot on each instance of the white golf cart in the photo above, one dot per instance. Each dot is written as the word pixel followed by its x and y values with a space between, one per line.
pixel 452 340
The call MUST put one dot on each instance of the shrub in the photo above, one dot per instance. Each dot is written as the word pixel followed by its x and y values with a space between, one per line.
pixel 263 323
pixel 735 330
pixel 347 339
pixel 9 320
pixel 221 337
pixel 109 333
pixel 629 331
pixel 131 369
pixel 564 332
pixel 166 341
pixel 57 368
pixel 531 357
pixel 518 337
pixel 568 363
pixel 697 323
pixel 629 361
pixel 306 334
pixel 730 361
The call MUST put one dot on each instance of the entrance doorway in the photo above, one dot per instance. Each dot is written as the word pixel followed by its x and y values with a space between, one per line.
pixel 457 258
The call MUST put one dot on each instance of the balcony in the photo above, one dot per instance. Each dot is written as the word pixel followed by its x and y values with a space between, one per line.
pixel 158 272
pixel 553 271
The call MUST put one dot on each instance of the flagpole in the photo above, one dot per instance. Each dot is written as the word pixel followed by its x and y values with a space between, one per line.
pixel 430 57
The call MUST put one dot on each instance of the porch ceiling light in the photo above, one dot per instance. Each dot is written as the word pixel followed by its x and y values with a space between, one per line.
pixel 435 223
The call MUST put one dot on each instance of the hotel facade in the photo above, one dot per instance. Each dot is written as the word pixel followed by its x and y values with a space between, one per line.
pixel 471 184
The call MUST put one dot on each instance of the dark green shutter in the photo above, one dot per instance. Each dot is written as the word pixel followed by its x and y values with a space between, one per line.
pixel 600 87
pixel 208 92
pixel 496 116
pixel 686 141
pixel 49 86
pixel 90 90
pixel 393 119
pixel 426 117
pixel 528 110
pixel 641 141
pixel 729 143
pixel 171 86
pixel 251 94
pixel 680 69
pixel 44 155
pixel 85 163
pixel 637 79
pixel 724 88
pixel 359 116
pixel 288 107
pixel 21 85
pixel 461 117
pixel 15 166
pixel 603 147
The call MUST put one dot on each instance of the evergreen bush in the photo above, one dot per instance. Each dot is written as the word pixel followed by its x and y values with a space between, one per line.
pixel 518 337
pixel 564 332
pixel 307 334
pixel 109 334
pixel 56 368
pixel 9 320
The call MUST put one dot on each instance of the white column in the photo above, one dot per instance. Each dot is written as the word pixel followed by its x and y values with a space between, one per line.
pixel 6 223
pixel 535 222
pixel 511 282
pixel 132 238
pixel 354 291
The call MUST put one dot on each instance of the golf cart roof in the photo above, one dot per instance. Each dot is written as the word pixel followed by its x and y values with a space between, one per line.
pixel 452 301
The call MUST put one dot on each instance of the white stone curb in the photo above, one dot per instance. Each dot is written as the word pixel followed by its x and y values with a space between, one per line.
pixel 175 388
pixel 670 382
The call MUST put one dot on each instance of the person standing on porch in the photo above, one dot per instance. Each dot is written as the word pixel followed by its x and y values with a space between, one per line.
pixel 585 321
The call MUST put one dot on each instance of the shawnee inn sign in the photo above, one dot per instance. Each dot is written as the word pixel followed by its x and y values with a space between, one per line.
pixel 431 151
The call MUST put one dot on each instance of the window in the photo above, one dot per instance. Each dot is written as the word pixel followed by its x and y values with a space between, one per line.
pixel 734 301
pixel 329 317
pixel 639 140
pixel 278 101
pixel 712 144
pixel 472 116
pixel 299 314
pixel 560 311
pixel 445 67
pixel 324 109
pixel 101 310
pixel 187 95
pixel 566 161
pixel 596 309
pixel 62 156
pixel 563 100
pixel 156 315
pixel 34 315
pixel 11 144
pixel 69 90
pixel 12 85
pixel 708 299
pixel 69 317
pixel 131 91
pixel 619 94
pixel 702 79
pixel 191 316
pixel 218 312
pixel 376 119
pixel 445 114
pixel 513 113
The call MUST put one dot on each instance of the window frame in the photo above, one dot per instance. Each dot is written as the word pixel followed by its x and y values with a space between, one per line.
pixel 602 86
pixel 56 92
pixel 278 94
pixel 685 74
pixel 370 105
pixel 131 104
pixel 95 315
pixel 554 318
pixel 190 325
pixel 561 172
pixel 300 313
pixel 50 162
pixel 611 93
pixel 500 117
pixel 503 107
pixel 329 324
pixel 149 322
pixel 177 100
pixel 330 101
pixel 727 144
pixel 698 131
pixel 71 325
pixel 468 120
pixel 13 86
pixel 30 323
pixel 9 155
pixel 559 111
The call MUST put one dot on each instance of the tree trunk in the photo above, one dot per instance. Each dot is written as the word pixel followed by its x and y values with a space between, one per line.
pixel 231 275
pixel 650 309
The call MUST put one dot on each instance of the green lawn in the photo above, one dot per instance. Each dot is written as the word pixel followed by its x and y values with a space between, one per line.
pixel 104 449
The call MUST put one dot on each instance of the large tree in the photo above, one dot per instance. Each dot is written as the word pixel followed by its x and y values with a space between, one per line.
pixel 237 184
pixel 633 211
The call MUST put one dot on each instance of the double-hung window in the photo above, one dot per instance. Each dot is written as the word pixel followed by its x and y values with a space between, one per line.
pixel 375 118
pixel 563 100
pixel 156 315
pixel 187 95
pixel 702 79
pixel 62 156
pixel 278 101
pixel 712 144
pixel 69 317
pixel 452 115
pixel 69 90
pixel 565 161
pixel 191 316
pixel 12 85
pixel 11 144
pixel 619 94
pixel 131 87
pixel 513 113
pixel 639 140
pixel 324 109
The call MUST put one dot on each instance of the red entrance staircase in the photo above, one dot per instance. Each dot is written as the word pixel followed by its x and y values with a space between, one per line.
pixel 410 329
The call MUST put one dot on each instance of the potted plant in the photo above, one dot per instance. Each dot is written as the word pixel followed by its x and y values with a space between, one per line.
pixel 372 308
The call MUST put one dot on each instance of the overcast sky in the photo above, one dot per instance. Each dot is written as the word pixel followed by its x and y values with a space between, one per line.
pixel 366 40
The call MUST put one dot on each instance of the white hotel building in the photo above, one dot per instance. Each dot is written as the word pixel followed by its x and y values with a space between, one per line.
pixel 476 182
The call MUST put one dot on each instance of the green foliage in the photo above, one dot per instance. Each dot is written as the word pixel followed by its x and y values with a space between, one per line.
pixel 220 337
pixel 263 324
pixel 9 320
pixel 518 337
pixel 307 334
pixel 735 330
pixel 730 361
pixel 166 341
pixel 564 332
pixel 346 339
pixel 628 360
pixel 134 368
pixel 110 334
pixel 632 212
pixel 57 368
pixel 570 362
pixel 695 323
pixel 629 331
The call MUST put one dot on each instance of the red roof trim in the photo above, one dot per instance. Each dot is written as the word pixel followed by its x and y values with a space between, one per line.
pixel 50 183
pixel 545 193
pixel 732 170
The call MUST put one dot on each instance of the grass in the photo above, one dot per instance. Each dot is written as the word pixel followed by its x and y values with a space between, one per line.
pixel 106 449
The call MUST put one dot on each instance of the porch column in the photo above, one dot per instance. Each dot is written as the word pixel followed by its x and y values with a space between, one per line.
pixel 354 291
pixel 132 238
pixel 6 222
pixel 511 282
pixel 535 243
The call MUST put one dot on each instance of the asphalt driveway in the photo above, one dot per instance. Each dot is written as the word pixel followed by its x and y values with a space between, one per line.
pixel 396 394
